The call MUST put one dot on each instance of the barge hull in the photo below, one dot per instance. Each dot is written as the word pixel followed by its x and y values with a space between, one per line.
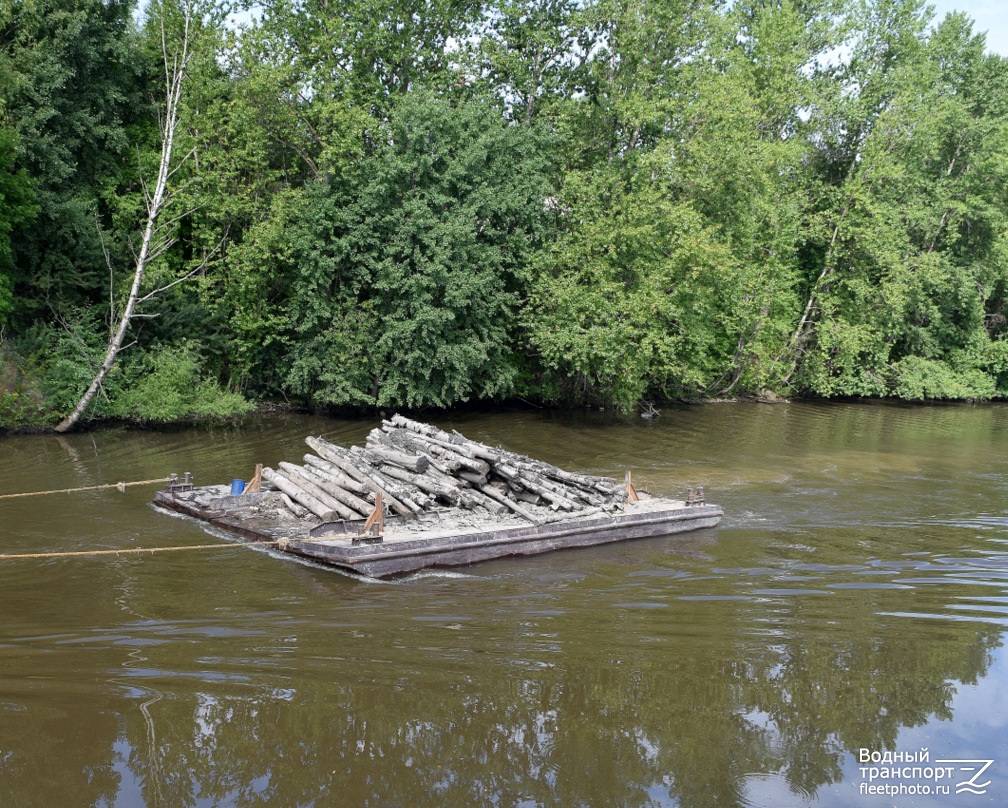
pixel 383 561
pixel 402 554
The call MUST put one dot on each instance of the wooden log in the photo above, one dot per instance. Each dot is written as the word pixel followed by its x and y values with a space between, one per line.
pixel 362 508
pixel 439 469
pixel 337 456
pixel 363 473
pixel 462 445
pixel 472 478
pixel 499 485
pixel 411 496
pixel 415 463
pixel 535 466
pixel 433 434
pixel 445 452
pixel 518 479
pixel 494 494
pixel 302 479
pixel 299 511
pixel 526 475
pixel 334 474
pixel 523 495
pixel 553 491
pixel 478 499
pixel 405 440
pixel 446 478
pixel 413 499
pixel 298 494
pixel 424 482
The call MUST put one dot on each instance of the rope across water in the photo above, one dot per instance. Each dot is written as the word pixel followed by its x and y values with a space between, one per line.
pixel 137 550
pixel 120 486
pixel 281 543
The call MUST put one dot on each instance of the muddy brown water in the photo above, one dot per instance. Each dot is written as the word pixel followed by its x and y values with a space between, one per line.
pixel 851 605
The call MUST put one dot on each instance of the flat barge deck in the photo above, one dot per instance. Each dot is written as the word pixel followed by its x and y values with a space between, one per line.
pixel 418 497
pixel 434 540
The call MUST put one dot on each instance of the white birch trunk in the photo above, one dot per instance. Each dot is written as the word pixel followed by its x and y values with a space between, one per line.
pixel 176 64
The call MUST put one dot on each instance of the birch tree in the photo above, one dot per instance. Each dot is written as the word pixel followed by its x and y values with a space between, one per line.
pixel 160 224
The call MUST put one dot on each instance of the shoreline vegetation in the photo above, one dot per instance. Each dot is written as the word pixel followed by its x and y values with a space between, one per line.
pixel 207 206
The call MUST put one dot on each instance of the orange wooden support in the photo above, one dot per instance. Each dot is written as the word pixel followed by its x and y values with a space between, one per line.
pixel 631 492
pixel 377 516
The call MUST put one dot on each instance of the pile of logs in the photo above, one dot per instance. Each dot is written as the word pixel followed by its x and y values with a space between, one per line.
pixel 419 467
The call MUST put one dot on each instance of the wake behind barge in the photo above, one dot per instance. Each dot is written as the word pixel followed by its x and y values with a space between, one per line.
pixel 417 497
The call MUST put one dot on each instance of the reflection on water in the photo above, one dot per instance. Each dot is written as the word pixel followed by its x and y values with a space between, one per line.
pixel 854 598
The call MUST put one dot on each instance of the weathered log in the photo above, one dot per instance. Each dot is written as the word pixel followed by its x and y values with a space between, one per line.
pixel 472 477
pixel 425 482
pixel 439 469
pixel 433 434
pixel 499 485
pixel 298 510
pixel 351 465
pixel 537 467
pixel 481 500
pixel 416 463
pixel 360 471
pixel 552 483
pixel 462 445
pixel 524 495
pixel 566 498
pixel 362 508
pixel 447 479
pixel 414 499
pixel 411 496
pixel 336 475
pixel 298 494
pixel 446 453
pixel 379 443
pixel 302 479
pixel 494 494
pixel 526 476
pixel 337 456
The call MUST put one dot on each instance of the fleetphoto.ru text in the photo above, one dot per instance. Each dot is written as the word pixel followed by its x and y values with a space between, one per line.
pixel 900 773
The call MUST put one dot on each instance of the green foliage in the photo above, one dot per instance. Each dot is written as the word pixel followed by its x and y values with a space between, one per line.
pixel 161 384
pixel 422 204
pixel 73 352
pixel 917 379
pixel 912 270
pixel 409 268
pixel 21 403
pixel 167 384
pixel 530 56
pixel 17 206
pixel 627 301
pixel 71 89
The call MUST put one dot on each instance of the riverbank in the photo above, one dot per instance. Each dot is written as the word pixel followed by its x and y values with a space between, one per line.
pixel 26 409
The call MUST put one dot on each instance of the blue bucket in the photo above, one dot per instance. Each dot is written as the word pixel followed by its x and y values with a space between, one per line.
pixel 237 486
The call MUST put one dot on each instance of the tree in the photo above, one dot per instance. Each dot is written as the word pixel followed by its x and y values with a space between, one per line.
pixel 625 303
pixel 532 55
pixel 908 254
pixel 159 232
pixel 17 205
pixel 70 89
pixel 409 269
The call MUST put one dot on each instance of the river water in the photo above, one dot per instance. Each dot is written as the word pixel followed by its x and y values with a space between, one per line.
pixel 850 606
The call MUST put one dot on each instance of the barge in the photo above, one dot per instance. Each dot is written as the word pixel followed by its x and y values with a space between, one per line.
pixel 417 497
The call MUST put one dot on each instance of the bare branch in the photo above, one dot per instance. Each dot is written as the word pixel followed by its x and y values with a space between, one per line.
pixel 192 272
pixel 111 278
